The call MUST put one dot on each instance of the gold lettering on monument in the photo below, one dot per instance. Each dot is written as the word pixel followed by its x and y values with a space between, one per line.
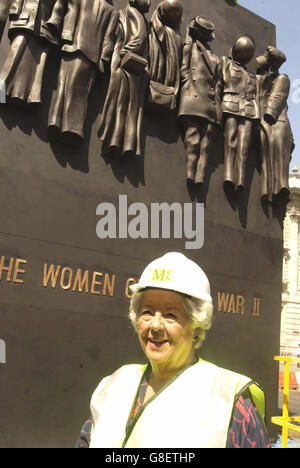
pixel 50 275
pixel 81 281
pixel 235 304
pixel 231 303
pixel 19 270
pixel 11 270
pixel 78 280
pixel 95 282
pixel 256 307
pixel 67 278
pixel 109 284
pixel 240 305
pixel 130 281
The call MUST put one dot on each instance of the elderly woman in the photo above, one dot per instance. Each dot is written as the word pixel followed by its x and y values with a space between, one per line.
pixel 165 403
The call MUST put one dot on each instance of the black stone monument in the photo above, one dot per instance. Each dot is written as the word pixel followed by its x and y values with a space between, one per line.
pixel 64 291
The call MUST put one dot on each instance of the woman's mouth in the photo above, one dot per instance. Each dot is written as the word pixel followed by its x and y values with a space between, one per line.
pixel 156 343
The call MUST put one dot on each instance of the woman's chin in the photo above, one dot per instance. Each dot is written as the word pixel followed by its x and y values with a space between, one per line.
pixel 157 351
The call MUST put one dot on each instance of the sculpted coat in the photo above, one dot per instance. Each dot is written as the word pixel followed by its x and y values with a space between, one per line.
pixel 277 142
pixel 237 91
pixel 165 56
pixel 89 27
pixel 88 41
pixel 43 18
pixel 199 110
pixel 122 113
pixel 35 26
pixel 198 81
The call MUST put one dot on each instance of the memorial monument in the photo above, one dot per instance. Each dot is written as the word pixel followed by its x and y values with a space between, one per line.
pixel 87 132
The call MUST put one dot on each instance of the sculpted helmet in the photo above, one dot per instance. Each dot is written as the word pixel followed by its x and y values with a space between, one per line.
pixel 243 49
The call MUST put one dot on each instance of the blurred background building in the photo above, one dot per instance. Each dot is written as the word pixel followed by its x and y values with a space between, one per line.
pixel 290 317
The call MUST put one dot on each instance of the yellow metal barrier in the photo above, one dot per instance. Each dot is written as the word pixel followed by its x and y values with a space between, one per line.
pixel 285 420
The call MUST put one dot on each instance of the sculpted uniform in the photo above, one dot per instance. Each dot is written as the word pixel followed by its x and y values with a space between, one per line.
pixel 237 89
pixel 199 111
pixel 201 419
pixel 277 142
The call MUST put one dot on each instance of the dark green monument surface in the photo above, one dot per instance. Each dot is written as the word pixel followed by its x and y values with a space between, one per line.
pixel 60 342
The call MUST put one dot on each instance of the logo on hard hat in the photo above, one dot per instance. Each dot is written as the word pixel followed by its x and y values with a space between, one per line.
pixel 161 275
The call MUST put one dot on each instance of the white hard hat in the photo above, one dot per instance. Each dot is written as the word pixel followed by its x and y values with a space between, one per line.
pixel 174 271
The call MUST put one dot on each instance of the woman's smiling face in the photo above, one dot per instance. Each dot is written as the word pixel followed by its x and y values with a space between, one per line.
pixel 165 331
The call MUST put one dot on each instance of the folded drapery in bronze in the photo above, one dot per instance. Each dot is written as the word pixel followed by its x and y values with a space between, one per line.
pixel 276 136
pixel 34 27
pixel 122 113
pixel 165 57
pixel 88 41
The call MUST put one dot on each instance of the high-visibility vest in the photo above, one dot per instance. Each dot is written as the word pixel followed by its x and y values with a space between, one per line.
pixel 193 410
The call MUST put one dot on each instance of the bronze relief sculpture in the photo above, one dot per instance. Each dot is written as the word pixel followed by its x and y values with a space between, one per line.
pixel 35 27
pixel 237 91
pixel 165 55
pixel 276 136
pixel 88 42
pixel 4 11
pixel 148 66
pixel 199 110
pixel 121 118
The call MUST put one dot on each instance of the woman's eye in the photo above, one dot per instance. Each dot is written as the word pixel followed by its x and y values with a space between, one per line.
pixel 171 315
pixel 145 313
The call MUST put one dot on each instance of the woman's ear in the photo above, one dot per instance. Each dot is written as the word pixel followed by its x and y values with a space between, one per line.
pixel 197 332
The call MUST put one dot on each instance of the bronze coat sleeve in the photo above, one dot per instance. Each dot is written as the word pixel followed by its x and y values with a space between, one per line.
pixel 278 97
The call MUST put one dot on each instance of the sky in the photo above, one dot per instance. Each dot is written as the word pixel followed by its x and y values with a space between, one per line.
pixel 285 14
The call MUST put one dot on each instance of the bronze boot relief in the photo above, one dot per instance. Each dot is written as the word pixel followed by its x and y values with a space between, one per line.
pixel 199 112
pixel 165 56
pixel 237 91
pixel 276 137
pixel 35 27
pixel 122 113
pixel 87 23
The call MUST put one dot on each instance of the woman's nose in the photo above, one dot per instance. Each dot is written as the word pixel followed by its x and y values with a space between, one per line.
pixel 157 322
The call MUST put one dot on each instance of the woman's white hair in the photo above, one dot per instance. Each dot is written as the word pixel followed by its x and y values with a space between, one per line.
pixel 200 313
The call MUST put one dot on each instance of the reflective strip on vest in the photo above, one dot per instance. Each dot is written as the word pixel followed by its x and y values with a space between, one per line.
pixel 194 410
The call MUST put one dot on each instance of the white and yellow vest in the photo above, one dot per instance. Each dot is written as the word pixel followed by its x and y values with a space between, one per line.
pixel 194 410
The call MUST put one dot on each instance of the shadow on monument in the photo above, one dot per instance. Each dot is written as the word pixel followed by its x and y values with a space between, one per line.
pixel 127 165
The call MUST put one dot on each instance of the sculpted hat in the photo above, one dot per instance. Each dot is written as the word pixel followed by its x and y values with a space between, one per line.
pixel 204 25
pixel 272 57
pixel 175 272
